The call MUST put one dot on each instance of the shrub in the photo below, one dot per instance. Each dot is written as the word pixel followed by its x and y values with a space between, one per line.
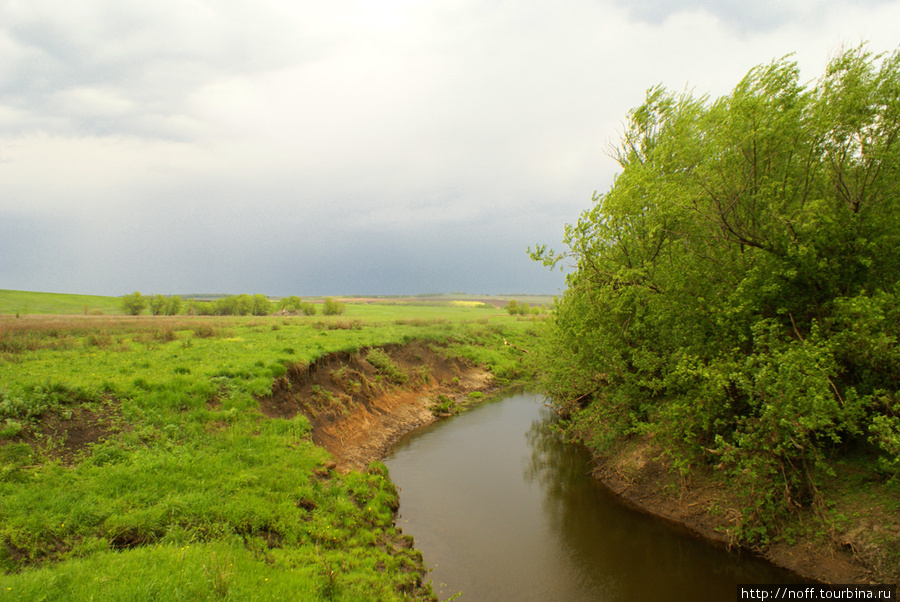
pixel 261 305
pixel 386 366
pixel 134 303
pixel 333 308
pixel 173 305
pixel 157 305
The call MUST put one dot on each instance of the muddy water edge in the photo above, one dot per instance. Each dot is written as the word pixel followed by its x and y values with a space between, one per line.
pixel 503 509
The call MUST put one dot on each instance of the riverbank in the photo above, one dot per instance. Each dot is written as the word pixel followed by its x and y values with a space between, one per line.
pixel 358 421
pixel 816 544
pixel 355 416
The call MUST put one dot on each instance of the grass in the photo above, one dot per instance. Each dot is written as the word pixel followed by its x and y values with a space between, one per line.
pixel 182 489
pixel 27 303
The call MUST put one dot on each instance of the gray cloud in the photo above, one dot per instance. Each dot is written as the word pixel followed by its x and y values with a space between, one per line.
pixel 342 147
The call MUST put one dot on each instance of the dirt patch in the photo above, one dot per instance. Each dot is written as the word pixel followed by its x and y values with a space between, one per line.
pixel 705 509
pixel 358 408
pixel 64 434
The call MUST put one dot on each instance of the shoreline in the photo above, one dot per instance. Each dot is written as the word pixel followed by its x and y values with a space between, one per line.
pixel 374 419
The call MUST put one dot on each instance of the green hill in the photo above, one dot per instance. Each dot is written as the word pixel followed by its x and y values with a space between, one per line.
pixel 26 302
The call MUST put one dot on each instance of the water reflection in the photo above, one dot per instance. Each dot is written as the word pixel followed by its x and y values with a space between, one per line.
pixel 643 557
pixel 504 509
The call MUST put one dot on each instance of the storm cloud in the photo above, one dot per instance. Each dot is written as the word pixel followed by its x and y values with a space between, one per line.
pixel 345 147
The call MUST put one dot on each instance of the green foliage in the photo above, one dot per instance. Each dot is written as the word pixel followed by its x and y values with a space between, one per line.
pixel 295 304
pixel 261 305
pixel 736 289
pixel 514 308
pixel 134 303
pixel 157 304
pixel 333 308
pixel 386 366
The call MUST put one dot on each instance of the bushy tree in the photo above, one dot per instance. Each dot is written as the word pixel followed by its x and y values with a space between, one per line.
pixel 173 305
pixel 134 303
pixel 736 290
pixel 332 307
pixel 157 304
pixel 261 305
pixel 514 308
pixel 292 303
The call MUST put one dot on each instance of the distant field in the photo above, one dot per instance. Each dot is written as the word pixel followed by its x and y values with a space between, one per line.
pixel 27 302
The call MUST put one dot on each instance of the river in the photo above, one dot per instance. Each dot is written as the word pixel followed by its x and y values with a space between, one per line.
pixel 503 509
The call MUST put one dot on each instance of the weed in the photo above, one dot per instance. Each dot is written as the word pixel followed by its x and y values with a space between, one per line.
pixel 205 331
pixel 10 429
pixel 444 406
pixel 386 366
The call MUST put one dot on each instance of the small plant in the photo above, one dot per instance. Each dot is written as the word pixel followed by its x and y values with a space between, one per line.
pixel 10 429
pixel 218 576
pixel 205 331
pixel 386 366
pixel 444 406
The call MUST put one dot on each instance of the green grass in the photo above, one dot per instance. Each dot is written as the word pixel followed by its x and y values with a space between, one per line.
pixel 27 303
pixel 190 492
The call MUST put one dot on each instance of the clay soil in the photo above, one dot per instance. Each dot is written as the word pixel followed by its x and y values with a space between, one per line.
pixel 357 413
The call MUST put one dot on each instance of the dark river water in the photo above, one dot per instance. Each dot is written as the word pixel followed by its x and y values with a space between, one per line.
pixel 502 509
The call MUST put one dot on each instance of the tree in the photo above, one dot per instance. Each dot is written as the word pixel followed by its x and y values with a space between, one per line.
pixel 134 303
pixel 261 305
pixel 332 307
pixel 735 291
pixel 292 303
pixel 157 305
pixel 173 305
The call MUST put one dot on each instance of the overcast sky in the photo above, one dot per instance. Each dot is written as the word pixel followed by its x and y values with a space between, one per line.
pixel 346 147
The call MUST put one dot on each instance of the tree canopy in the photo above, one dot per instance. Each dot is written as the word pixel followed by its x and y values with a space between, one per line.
pixel 735 292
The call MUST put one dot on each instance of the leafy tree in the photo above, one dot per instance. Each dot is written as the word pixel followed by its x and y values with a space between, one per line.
pixel 292 303
pixel 332 307
pixel 134 303
pixel 514 308
pixel 157 305
pixel 173 305
pixel 243 304
pixel 261 305
pixel 735 291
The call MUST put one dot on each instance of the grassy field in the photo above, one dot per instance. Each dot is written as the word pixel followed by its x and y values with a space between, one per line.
pixel 25 303
pixel 135 462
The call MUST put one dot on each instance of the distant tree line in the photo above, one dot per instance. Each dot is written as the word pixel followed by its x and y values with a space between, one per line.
pixel 230 305
pixel 514 308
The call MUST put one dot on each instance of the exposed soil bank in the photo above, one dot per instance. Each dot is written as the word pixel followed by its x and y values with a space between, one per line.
pixel 705 508
pixel 358 410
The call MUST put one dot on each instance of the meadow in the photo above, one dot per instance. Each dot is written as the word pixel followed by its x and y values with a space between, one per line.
pixel 135 462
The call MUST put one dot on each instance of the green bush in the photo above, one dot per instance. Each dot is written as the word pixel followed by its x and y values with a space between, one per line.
pixel 134 303
pixel 333 308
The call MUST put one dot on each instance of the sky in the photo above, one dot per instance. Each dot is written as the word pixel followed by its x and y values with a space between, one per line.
pixel 396 147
